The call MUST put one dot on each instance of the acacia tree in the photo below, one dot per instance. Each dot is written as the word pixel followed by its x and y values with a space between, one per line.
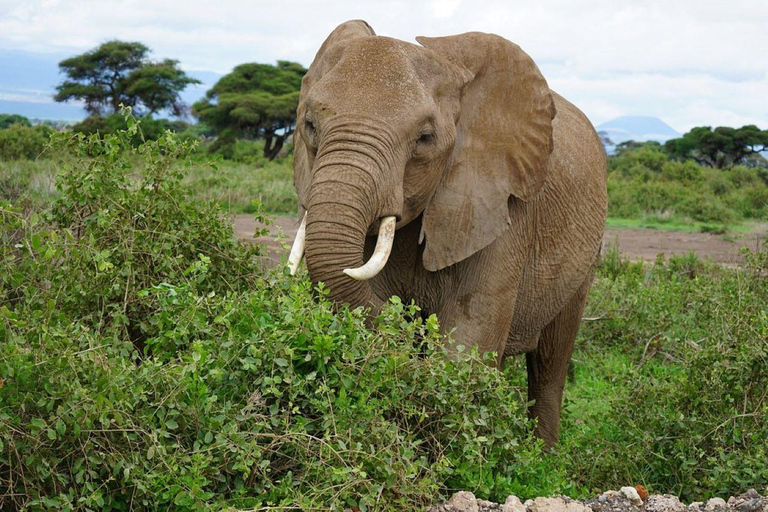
pixel 254 101
pixel 120 72
pixel 721 147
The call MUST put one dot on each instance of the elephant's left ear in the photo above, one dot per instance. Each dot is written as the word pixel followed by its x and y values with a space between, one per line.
pixel 503 142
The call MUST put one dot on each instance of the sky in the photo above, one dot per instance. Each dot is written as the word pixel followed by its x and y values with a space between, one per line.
pixel 688 62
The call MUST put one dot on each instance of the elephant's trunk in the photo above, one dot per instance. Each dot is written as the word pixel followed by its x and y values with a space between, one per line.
pixel 345 201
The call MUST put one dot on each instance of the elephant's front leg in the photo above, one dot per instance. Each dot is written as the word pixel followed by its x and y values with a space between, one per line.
pixel 481 304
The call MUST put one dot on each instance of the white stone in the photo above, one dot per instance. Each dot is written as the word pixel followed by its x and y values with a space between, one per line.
pixel 555 505
pixel 715 504
pixel 462 501
pixel 513 504
pixel 632 495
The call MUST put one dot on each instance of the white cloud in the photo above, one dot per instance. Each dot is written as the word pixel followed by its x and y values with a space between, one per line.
pixel 25 95
pixel 682 101
pixel 690 62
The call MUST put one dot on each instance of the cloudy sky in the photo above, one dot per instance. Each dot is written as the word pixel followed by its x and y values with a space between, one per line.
pixel 688 62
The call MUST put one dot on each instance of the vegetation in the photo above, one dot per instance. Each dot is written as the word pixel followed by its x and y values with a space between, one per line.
pixel 245 181
pixel 644 183
pixel 7 120
pixel 21 141
pixel 120 73
pixel 720 148
pixel 254 101
pixel 671 379
pixel 151 129
pixel 147 359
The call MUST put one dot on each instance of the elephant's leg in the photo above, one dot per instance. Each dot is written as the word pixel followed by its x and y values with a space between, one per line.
pixel 548 365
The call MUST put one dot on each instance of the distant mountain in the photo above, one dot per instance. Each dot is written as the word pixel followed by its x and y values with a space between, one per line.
pixel 28 82
pixel 637 128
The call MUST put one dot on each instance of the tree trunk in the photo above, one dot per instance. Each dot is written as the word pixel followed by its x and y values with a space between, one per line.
pixel 272 152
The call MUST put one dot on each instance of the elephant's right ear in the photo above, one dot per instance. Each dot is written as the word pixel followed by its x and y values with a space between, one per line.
pixel 327 56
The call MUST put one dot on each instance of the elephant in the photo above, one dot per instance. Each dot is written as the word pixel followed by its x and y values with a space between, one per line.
pixel 449 174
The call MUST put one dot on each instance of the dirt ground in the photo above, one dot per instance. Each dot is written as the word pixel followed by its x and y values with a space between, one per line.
pixel 637 244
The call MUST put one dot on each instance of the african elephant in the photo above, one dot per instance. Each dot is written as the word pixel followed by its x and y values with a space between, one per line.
pixel 487 191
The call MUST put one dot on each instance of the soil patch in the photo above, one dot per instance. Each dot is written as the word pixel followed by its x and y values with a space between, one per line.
pixel 636 244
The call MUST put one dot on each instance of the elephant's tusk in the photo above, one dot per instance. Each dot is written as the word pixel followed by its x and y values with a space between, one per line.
pixel 297 251
pixel 380 253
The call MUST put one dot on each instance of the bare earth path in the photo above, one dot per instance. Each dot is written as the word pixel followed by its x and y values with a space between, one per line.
pixel 637 244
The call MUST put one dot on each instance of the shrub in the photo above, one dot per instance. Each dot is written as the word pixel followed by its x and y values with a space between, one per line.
pixel 149 129
pixel 116 233
pixel 20 142
pixel 643 183
pixel 7 120
pixel 247 388
pixel 705 209
pixel 689 414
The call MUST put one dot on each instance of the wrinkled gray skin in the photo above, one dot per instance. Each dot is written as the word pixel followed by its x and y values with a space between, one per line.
pixel 498 185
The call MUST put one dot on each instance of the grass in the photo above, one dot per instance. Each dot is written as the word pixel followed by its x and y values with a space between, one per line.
pixel 662 224
pixel 235 186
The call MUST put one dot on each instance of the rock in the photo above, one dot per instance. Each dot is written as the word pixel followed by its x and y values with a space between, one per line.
pixel 716 505
pixel 487 506
pixel 750 501
pixel 513 504
pixel 613 501
pixel 629 499
pixel 632 495
pixel 462 501
pixel 664 503
pixel 555 505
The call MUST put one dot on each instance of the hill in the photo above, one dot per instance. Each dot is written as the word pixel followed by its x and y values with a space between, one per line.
pixel 637 128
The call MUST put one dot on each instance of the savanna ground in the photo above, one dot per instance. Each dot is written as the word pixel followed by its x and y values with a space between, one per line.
pixel 638 244
pixel 149 360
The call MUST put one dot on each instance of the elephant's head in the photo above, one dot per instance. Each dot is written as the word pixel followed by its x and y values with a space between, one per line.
pixel 453 130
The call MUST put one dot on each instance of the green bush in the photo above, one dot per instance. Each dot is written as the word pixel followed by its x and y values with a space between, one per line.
pixel 7 120
pixel 147 361
pixel 149 129
pixel 644 184
pixel 20 142
pixel 684 349
pixel 126 227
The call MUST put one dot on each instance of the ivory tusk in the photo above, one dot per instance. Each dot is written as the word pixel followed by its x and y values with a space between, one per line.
pixel 297 251
pixel 380 253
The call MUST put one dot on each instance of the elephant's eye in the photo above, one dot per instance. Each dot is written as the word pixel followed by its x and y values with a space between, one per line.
pixel 309 132
pixel 426 138
pixel 309 127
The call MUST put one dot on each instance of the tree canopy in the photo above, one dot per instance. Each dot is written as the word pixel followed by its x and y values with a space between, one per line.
pixel 254 101
pixel 6 120
pixel 120 72
pixel 721 147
